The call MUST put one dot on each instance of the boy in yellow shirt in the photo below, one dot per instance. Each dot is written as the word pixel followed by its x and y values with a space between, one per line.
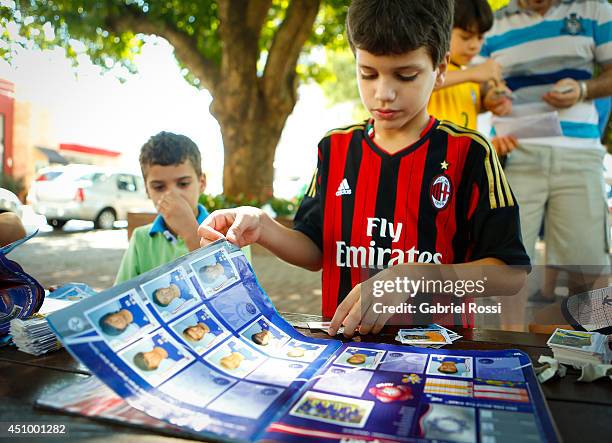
pixel 459 100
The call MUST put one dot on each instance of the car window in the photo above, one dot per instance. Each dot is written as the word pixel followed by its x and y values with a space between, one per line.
pixel 126 182
pixel 94 177
pixel 49 175
pixel 100 177
pixel 73 174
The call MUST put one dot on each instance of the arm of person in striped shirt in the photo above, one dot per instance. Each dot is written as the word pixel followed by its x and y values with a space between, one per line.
pixel 601 86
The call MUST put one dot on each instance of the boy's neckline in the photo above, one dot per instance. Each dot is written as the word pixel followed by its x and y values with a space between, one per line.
pixel 369 134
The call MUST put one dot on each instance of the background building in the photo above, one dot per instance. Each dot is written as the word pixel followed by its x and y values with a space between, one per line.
pixel 27 143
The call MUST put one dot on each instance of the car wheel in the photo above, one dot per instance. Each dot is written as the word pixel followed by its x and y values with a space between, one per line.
pixel 105 219
pixel 57 224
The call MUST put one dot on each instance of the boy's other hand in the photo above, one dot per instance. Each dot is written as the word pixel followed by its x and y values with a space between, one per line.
pixel 357 312
pixel 348 314
pixel 489 70
pixel 497 99
pixel 564 94
pixel 179 217
pixel 504 144
pixel 241 226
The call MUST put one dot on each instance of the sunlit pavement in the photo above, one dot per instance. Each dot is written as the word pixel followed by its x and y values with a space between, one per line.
pixel 76 255
pixel 79 253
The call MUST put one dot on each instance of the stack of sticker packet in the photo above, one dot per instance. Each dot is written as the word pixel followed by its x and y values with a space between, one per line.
pixel 579 348
pixel 33 335
pixel 430 336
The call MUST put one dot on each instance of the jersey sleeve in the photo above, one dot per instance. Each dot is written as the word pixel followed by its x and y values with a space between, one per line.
pixel 493 212
pixel 309 217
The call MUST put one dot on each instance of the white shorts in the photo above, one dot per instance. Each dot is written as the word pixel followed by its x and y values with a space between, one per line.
pixel 565 187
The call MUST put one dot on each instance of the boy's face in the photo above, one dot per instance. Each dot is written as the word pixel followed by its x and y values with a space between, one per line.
pixel 465 45
pixel 539 6
pixel 165 296
pixel 197 332
pixel 212 272
pixel 396 88
pixel 120 320
pixel 154 358
pixel 180 179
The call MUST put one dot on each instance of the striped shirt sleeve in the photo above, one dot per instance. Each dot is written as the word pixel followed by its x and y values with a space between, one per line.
pixel 603 33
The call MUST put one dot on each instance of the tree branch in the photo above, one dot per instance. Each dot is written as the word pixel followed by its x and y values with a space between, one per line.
pixel 256 14
pixel 287 45
pixel 185 46
pixel 240 43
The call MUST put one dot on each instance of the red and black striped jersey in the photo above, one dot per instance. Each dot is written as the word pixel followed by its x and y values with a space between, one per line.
pixel 443 199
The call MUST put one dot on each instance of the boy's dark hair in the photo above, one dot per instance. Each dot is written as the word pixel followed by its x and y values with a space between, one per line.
pixel 393 27
pixel 167 149
pixel 473 16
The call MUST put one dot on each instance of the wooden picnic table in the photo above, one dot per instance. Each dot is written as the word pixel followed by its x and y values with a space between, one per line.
pixel 582 411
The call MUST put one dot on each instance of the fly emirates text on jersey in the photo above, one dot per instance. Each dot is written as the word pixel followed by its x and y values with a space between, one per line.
pixel 376 257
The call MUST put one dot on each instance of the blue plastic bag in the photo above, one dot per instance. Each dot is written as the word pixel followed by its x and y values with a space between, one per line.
pixel 20 294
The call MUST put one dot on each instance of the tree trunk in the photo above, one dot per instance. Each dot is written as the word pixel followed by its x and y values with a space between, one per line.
pixel 250 139
pixel 251 109
pixel 251 126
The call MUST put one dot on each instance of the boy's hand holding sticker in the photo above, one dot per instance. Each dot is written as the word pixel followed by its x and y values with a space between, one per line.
pixel 361 309
pixel 565 93
pixel 498 99
pixel 241 226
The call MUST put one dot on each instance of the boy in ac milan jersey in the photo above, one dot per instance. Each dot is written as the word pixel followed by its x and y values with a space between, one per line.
pixel 399 188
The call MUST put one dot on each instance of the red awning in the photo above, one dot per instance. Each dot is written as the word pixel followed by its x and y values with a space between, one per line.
pixel 88 150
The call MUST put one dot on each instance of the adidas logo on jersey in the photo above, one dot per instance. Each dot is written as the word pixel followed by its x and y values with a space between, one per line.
pixel 343 189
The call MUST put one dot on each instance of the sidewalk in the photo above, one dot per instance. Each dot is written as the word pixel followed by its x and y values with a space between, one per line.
pixel 292 289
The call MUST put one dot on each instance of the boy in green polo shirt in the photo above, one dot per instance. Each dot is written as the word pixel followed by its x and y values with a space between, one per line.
pixel 172 170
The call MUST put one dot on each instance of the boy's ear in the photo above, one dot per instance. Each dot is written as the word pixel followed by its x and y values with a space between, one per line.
pixel 442 67
pixel 202 183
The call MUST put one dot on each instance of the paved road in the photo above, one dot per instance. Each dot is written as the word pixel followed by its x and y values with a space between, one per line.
pixel 92 257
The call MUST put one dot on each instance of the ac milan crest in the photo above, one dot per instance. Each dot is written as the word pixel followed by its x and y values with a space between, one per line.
pixel 440 191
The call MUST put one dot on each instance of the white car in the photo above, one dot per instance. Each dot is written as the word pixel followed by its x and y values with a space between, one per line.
pixel 85 192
